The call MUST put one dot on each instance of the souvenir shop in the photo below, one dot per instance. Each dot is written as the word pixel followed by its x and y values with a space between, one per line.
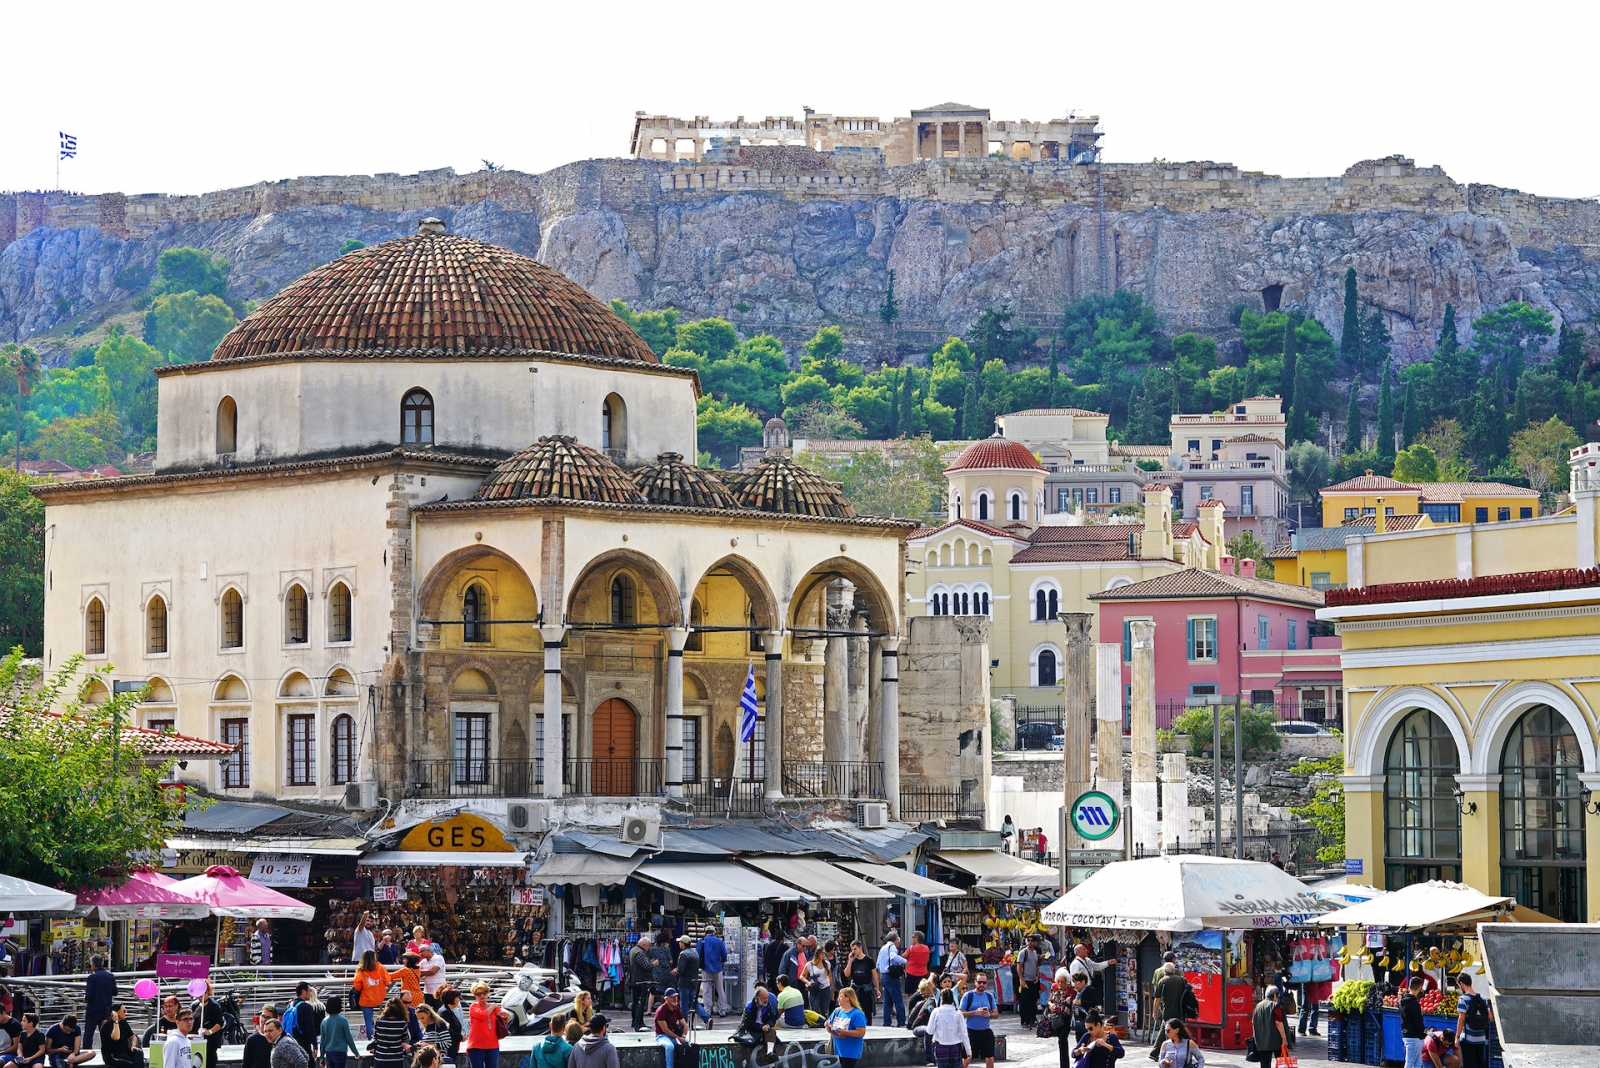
pixel 998 907
pixel 459 878
pixel 54 947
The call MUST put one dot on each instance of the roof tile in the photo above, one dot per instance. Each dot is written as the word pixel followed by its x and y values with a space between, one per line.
pixel 1200 582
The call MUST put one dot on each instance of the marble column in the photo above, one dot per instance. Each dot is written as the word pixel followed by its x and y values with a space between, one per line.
pixel 772 748
pixel 1077 720
pixel 889 722
pixel 861 687
pixel 961 139
pixel 836 674
pixel 1108 732
pixel 1143 735
pixel 676 637
pixel 553 769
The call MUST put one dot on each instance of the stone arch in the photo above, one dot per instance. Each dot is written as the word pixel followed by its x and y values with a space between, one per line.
pixel 880 606
pixel 430 597
pixel 1506 706
pixel 1371 744
pixel 762 600
pixel 230 688
pixel 596 575
pixel 296 684
pixel 473 683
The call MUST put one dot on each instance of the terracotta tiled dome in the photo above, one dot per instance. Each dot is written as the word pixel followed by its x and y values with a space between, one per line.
pixel 996 452
pixel 779 484
pixel 559 467
pixel 671 481
pixel 433 292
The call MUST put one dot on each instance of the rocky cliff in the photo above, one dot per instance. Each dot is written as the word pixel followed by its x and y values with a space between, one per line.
pixel 795 240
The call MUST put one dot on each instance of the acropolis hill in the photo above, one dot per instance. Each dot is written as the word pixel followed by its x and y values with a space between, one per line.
pixel 786 238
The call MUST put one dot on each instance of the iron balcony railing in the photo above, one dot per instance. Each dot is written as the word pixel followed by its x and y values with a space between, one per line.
pixel 934 803
pixel 468 777
pixel 712 796
pixel 834 778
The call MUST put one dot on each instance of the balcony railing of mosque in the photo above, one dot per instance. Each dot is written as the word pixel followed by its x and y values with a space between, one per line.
pixel 484 777
pixel 834 778
pixel 712 796
pixel 919 803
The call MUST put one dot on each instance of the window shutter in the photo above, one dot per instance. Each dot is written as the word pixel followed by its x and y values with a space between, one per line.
pixel 1190 629
pixel 1127 642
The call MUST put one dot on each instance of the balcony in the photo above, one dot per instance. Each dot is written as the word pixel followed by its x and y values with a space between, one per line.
pixel 1217 418
pixel 1227 465
pixel 835 778
pixel 639 777
pixel 918 803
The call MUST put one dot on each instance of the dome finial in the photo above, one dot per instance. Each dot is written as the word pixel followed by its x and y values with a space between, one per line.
pixel 430 225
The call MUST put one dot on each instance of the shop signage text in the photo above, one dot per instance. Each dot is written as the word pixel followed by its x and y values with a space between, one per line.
pixel 462 832
pixel 67 929
pixel 182 966
pixel 1095 816
pixel 198 860
pixel 527 895
pixel 388 893
pixel 1352 866
pixel 281 869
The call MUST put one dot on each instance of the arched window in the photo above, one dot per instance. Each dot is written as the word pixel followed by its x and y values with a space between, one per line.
pixel 296 616
pixel 232 619
pixel 475 614
pixel 983 506
pixel 227 426
pixel 1541 816
pixel 1047 667
pixel 94 628
pixel 1046 604
pixel 1016 506
pixel 344 750
pixel 697 616
pixel 1039 605
pixel 416 418
pixel 624 606
pixel 1053 605
pixel 944 604
pixel 980 602
pixel 614 425
pixel 1422 825
pixel 155 626
pixel 339 624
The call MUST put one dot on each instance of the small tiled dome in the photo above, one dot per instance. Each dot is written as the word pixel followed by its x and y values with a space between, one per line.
pixel 433 293
pixel 671 481
pixel 558 466
pixel 779 484
pixel 996 452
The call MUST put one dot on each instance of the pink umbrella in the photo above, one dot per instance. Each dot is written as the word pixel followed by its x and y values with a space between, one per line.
pixel 142 897
pixel 227 893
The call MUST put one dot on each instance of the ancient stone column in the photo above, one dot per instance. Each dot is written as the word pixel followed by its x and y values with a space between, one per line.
pixel 676 637
pixel 1108 732
pixel 772 747
pixel 1077 719
pixel 1174 801
pixel 552 709
pixel 861 687
pixel 889 722
pixel 1143 731
pixel 836 674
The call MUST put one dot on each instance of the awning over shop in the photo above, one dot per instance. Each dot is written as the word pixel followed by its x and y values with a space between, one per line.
pixel 820 879
pixel 584 869
pixel 999 872
pixel 424 858
pixel 1188 892
pixel 719 881
pixel 1432 904
pixel 19 897
pixel 905 881
pixel 313 847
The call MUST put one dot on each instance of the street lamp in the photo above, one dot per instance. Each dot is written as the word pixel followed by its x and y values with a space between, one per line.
pixel 1466 808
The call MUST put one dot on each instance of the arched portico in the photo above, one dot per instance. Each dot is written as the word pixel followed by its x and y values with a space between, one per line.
pixel 588 601
pixel 1507 705
pixel 1370 746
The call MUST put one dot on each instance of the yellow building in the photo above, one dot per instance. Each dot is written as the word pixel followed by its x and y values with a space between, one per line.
pixel 1471 661
pixel 1360 498
pixel 1001 556
pixel 1316 556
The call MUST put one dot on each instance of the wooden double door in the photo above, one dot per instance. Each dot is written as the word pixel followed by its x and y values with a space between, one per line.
pixel 615 732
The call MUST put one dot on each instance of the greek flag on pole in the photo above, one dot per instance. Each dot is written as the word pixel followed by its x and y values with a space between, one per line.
pixel 747 706
pixel 69 146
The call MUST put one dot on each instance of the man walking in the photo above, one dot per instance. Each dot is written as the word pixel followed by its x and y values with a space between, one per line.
pixel 713 958
pixel 1266 1025
pixel 1170 991
pixel 892 968
pixel 99 992
pixel 979 1007
pixel 1473 1015
pixel 686 972
pixel 1027 982
pixel 641 969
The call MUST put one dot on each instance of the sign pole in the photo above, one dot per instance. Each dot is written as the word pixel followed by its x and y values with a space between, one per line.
pixel 1216 783
pixel 1238 778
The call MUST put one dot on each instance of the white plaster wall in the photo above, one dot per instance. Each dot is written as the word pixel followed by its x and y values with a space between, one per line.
pixel 309 407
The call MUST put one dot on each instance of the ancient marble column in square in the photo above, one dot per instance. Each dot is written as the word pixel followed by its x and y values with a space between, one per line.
pixel 1077 719
pixel 1142 711
pixel 676 637
pixel 553 769
pixel 772 747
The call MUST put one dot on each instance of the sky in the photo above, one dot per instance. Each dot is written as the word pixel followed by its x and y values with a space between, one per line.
pixel 185 98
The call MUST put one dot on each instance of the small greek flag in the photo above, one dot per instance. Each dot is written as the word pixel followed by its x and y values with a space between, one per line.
pixel 747 706
pixel 69 146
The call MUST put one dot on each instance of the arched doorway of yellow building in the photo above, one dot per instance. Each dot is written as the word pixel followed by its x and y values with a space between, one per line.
pixel 1422 825
pixel 1542 854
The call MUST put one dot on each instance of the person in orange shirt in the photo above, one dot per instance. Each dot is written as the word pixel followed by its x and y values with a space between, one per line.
pixel 372 985
pixel 410 978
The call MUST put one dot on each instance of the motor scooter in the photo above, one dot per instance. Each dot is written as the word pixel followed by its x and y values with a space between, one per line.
pixel 533 998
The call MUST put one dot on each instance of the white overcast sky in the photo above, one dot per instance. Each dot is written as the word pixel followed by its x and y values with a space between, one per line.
pixel 185 98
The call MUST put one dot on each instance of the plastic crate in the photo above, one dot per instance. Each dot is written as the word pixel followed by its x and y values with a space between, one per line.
pixel 1371 1039
pixel 1336 1051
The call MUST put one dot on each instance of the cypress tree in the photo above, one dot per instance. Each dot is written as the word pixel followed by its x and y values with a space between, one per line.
pixel 1350 338
pixel 891 428
pixel 1055 371
pixel 907 402
pixel 1288 389
pixel 1352 418
pixel 970 415
pixel 1447 330
pixel 1385 446
pixel 1302 423
pixel 1411 417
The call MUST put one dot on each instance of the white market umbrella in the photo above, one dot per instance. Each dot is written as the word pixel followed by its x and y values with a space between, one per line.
pixel 1342 894
pixel 1420 905
pixel 19 897
pixel 1187 892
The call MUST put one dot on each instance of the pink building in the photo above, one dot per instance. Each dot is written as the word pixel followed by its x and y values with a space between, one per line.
pixel 1220 634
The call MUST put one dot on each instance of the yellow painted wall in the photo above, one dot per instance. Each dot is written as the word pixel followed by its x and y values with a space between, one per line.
pixel 1333 505
pixel 1312 561
pixel 1469 506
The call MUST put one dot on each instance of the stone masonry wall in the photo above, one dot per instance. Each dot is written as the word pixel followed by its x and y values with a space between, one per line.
pixel 944 706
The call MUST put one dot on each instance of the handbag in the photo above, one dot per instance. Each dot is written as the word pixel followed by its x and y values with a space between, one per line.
pixel 1286 1062
pixel 501 1028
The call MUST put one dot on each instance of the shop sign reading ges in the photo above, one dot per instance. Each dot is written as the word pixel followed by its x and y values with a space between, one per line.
pixel 280 869
pixel 1095 816
pixel 462 832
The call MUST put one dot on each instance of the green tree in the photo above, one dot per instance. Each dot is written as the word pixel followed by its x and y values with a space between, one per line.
pixel 1246 546
pixel 712 338
pixel 350 245
pixel 972 423
pixel 1350 336
pixel 1101 334
pixel 803 390
pixel 20 366
pixel 127 364
pixel 21 564
pixel 1260 729
pixel 1375 340
pixel 1486 430
pixel 905 481
pixel 1308 469
pixel 1572 351
pixel 1325 810
pixel 1416 463
pixel 659 329
pixel 1385 418
pixel 191 270
pixel 725 428
pixel 188 325
pixel 821 421
pixel 1505 336
pixel 1540 452
pixel 1446 440
pixel 1289 326
pixel 993 337
pixel 1354 424
pixel 1410 415
pixel 1350 465
pixel 81 440
pixel 82 803
pixel 889 310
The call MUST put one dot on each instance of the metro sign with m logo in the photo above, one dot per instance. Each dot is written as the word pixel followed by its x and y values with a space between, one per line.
pixel 1094 816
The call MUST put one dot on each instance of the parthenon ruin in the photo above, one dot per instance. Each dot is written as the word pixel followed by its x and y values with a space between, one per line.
pixel 946 131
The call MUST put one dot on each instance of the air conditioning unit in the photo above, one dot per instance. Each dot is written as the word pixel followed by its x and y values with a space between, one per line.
pixel 526 818
pixel 639 831
pixel 872 815
pixel 360 796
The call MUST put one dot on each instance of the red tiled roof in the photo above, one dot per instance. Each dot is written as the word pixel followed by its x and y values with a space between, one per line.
pixel 156 743
pixel 996 452
pixel 1362 483
pixel 778 484
pixel 434 291
pixel 1482 586
pixel 1148 452
pixel 557 466
pixel 1050 545
pixel 970 524
pixel 1253 437
pixel 1456 492
pixel 1059 411
pixel 1195 582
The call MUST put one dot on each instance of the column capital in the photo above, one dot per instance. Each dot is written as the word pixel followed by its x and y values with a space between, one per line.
pixel 677 637
pixel 553 635
pixel 1478 784
pixel 1362 784
pixel 889 644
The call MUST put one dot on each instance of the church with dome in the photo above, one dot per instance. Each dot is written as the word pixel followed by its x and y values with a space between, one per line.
pixel 427 526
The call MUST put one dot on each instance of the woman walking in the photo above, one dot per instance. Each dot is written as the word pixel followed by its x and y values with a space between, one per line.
pixel 1058 1013
pixel 337 1041
pixel 947 1029
pixel 371 985
pixel 391 1037
pixel 848 1026
pixel 450 1014
pixel 1178 1051
pixel 861 972
pixel 483 1039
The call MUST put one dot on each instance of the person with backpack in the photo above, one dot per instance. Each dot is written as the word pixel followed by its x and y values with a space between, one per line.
pixel 1473 1015
pixel 1172 993
pixel 979 1007
pixel 302 1020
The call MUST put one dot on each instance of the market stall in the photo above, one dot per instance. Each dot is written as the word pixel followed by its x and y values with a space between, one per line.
pixel 1225 919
